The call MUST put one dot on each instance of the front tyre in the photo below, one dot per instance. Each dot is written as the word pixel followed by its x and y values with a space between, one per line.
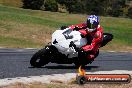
pixel 39 59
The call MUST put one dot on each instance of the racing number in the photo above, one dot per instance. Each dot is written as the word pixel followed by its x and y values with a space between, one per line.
pixel 67 36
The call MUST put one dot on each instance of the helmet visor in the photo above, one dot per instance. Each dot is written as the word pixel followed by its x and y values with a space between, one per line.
pixel 90 26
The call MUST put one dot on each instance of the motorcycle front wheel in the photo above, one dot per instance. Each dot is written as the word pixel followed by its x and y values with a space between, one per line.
pixel 39 59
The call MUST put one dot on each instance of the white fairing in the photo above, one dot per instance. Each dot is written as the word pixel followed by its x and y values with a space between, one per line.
pixel 63 39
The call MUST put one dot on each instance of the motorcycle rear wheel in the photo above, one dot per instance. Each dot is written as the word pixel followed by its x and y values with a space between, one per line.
pixel 107 37
pixel 39 59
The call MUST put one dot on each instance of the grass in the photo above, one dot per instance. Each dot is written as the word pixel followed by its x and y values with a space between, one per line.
pixel 34 28
pixel 10 42
pixel 121 28
pixel 16 3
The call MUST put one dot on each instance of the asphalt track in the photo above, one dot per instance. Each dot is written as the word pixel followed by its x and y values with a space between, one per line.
pixel 15 63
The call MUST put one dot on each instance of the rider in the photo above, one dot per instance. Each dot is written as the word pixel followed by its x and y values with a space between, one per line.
pixel 92 30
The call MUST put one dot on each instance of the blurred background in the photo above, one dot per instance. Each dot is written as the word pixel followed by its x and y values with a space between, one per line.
pixel 30 23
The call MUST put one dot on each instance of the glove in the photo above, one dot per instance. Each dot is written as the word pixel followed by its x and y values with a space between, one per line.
pixel 63 27
pixel 76 28
pixel 82 36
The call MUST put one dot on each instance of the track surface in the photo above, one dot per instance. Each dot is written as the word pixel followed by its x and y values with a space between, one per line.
pixel 15 63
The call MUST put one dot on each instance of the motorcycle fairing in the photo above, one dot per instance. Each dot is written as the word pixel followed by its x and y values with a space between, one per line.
pixel 61 40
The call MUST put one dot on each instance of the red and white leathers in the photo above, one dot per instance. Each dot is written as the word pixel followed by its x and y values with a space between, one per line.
pixel 96 38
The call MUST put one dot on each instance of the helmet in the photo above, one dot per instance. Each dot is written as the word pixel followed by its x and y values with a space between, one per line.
pixel 92 22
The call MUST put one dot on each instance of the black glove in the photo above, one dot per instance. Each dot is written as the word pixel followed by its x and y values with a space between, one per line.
pixel 76 28
pixel 63 27
pixel 82 36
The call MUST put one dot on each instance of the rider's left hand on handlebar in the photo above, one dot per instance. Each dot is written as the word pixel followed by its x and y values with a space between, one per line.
pixel 76 29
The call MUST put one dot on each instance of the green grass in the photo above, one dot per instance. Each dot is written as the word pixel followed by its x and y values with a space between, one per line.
pixel 121 28
pixel 15 3
pixel 19 43
pixel 34 28
pixel 26 16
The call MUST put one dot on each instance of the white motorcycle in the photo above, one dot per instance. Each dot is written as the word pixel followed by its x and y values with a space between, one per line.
pixel 64 49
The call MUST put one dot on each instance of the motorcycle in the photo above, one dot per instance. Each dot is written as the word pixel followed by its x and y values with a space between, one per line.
pixel 64 49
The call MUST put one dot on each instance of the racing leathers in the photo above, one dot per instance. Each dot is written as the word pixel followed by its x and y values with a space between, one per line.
pixel 94 38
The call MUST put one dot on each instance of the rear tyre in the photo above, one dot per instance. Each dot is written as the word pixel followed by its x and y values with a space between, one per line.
pixel 39 59
pixel 107 37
